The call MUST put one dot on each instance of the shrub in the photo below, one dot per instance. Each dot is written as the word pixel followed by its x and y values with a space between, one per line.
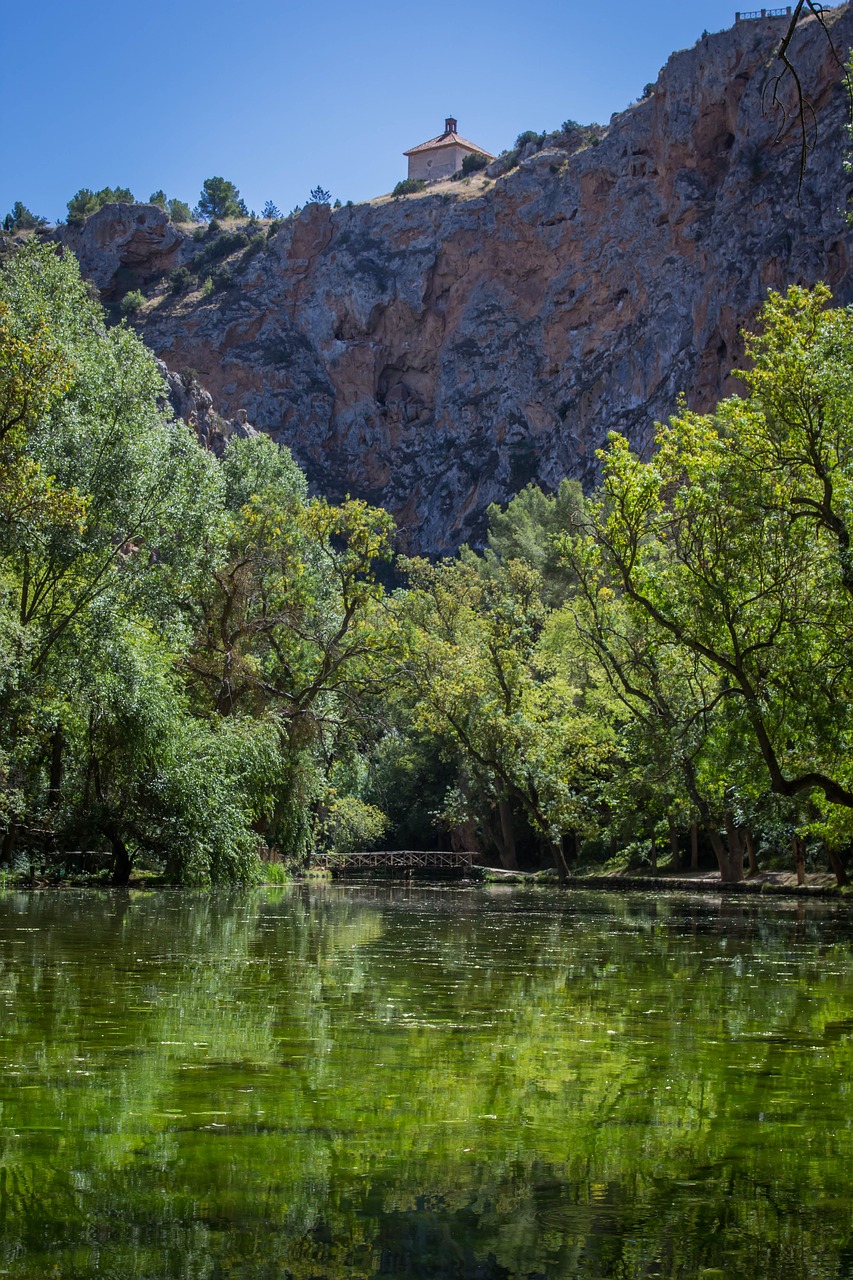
pixel 158 198
pixel 131 302
pixel 222 246
pixel 275 226
pixel 352 824
pixel 409 187
pixel 528 136
pixel 275 873
pixel 256 243
pixel 509 160
pixel 474 162
pixel 207 288
pixel 221 278
pixel 181 278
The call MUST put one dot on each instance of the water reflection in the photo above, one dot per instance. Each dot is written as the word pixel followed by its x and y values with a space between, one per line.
pixel 423 1082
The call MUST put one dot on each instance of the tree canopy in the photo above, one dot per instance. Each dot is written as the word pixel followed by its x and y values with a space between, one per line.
pixel 201 663
pixel 85 202
pixel 220 199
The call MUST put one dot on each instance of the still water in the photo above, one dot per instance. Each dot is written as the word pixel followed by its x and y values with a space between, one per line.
pixel 424 1082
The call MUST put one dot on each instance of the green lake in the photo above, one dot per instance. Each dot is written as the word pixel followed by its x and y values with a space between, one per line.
pixel 360 1081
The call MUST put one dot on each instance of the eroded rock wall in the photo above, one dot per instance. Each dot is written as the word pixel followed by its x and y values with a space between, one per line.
pixel 434 353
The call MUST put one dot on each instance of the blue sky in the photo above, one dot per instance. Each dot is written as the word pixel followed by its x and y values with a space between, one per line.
pixel 278 97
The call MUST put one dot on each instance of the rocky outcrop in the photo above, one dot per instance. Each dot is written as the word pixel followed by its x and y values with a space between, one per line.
pixel 123 246
pixel 437 352
pixel 190 401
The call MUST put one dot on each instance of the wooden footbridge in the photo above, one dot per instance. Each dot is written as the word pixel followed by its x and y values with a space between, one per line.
pixel 403 861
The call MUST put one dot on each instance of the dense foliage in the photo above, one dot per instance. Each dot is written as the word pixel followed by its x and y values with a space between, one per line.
pixel 200 666
pixel 177 635
pixel 85 202
pixel 20 218
pixel 220 199
pixel 178 210
pixel 669 659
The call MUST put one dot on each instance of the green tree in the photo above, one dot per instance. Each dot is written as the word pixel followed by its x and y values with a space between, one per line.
pixel 288 623
pixel 110 519
pixel 22 219
pixel 732 545
pixel 220 199
pixel 85 202
pixel 519 700
pixel 179 211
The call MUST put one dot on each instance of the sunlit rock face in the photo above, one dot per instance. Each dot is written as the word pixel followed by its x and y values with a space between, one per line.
pixel 435 353
pixel 123 245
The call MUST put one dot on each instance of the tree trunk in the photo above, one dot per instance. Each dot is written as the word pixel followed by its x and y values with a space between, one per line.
pixel 7 847
pixel 506 848
pixel 121 861
pixel 57 747
pixel 694 846
pixel 750 851
pixel 735 849
pixel 559 858
pixel 721 854
pixel 674 846
pixel 653 853
pixel 841 877
pixel 799 859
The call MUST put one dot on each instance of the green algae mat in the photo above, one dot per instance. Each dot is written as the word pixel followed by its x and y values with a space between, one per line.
pixel 401 1082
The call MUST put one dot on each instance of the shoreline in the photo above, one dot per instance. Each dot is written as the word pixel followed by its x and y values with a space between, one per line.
pixel 766 884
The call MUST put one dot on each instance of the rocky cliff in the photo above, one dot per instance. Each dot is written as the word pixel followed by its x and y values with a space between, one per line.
pixel 434 353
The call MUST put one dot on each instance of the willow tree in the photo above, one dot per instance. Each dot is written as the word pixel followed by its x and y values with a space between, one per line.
pixel 106 511
pixel 289 624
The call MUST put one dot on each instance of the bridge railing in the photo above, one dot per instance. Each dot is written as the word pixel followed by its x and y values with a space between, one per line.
pixel 395 859
pixel 763 13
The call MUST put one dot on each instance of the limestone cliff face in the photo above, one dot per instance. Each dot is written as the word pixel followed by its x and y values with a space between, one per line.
pixel 434 353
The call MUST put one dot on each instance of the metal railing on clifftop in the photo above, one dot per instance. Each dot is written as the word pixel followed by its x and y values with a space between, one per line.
pixel 764 13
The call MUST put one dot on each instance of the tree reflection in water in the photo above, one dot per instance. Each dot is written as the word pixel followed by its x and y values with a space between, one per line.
pixel 424 1083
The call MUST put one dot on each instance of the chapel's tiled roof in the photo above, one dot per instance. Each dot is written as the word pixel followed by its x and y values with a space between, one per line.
pixel 448 140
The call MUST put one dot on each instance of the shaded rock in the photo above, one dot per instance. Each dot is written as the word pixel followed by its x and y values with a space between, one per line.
pixel 191 402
